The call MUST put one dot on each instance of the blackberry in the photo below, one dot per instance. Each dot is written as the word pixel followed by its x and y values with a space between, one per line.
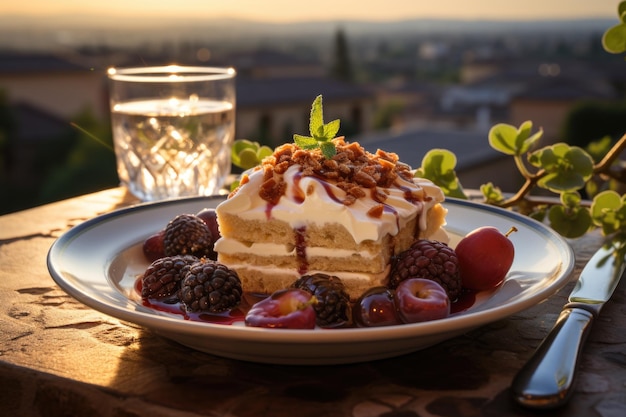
pixel 428 259
pixel 211 287
pixel 333 307
pixel 162 278
pixel 187 234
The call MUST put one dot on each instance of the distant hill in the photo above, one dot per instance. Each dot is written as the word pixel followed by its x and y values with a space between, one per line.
pixel 21 31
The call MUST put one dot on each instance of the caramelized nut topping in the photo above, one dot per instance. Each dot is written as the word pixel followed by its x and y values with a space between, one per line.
pixel 376 211
pixel 353 169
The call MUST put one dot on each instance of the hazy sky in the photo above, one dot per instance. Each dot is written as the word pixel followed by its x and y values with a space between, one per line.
pixel 290 10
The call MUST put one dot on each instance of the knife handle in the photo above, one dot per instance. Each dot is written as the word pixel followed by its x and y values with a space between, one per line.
pixel 547 379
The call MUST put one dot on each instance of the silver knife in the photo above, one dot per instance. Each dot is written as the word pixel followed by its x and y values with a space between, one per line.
pixel 547 379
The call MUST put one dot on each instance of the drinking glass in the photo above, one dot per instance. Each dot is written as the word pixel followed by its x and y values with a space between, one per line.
pixel 173 127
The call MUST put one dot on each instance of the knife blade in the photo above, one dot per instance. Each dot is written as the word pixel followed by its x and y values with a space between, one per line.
pixel 547 379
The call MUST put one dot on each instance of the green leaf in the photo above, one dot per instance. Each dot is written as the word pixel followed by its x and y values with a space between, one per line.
pixel 599 148
pixel 614 39
pixel 438 166
pixel 608 211
pixel 328 149
pixel 571 222
pixel 491 193
pixel 510 140
pixel 606 200
pixel 248 159
pixel 330 130
pixel 305 142
pixel 316 120
pixel 621 11
pixel 570 199
pixel 502 138
pixel 264 152
pixel 567 168
pixel 530 141
pixel 321 134
pixel 238 146
pixel 245 153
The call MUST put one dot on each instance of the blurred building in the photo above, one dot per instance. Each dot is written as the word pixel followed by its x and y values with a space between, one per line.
pixel 513 91
pixel 275 91
pixel 53 83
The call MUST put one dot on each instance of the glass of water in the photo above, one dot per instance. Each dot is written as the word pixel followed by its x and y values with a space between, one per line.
pixel 173 127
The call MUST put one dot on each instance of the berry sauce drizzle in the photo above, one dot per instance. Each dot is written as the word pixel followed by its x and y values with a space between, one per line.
pixel 301 259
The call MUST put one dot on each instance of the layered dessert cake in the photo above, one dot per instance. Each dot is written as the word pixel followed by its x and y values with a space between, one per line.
pixel 301 212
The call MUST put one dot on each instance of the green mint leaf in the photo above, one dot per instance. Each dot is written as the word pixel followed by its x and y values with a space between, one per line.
pixel 316 120
pixel 331 129
pixel 305 142
pixel 321 134
pixel 328 149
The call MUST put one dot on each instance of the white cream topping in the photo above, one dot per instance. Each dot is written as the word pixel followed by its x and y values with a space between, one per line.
pixel 312 200
pixel 229 245
pixel 367 279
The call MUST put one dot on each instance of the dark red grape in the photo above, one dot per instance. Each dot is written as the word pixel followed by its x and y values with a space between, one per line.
pixel 153 247
pixel 375 308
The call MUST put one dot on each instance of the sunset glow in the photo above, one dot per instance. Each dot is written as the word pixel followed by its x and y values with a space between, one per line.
pixel 288 10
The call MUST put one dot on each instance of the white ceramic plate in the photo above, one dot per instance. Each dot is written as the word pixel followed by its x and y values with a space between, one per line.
pixel 97 262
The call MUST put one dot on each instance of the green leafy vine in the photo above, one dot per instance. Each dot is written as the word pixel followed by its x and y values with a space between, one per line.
pixel 560 168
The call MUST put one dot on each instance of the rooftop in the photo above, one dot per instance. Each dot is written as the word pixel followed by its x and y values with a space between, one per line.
pixel 16 62
pixel 287 90
pixel 471 147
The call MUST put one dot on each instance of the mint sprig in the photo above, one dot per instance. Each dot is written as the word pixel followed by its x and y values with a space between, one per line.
pixel 321 133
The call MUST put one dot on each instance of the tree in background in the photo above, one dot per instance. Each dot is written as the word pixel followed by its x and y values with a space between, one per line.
pixel 384 117
pixel 591 121
pixel 342 66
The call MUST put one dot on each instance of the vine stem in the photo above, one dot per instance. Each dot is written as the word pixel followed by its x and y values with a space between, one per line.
pixel 529 184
